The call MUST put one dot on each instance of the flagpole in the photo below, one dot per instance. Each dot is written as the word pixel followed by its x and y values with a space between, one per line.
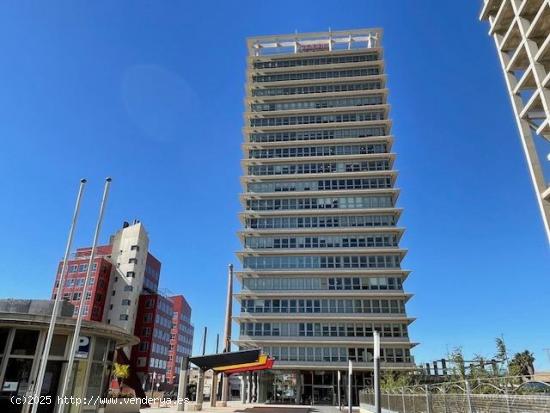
pixel 57 300
pixel 78 323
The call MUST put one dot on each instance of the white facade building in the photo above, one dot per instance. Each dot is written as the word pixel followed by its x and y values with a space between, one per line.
pixel 521 31
pixel 129 256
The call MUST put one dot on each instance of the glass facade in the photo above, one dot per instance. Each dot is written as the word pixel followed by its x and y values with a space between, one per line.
pixel 19 361
pixel 321 260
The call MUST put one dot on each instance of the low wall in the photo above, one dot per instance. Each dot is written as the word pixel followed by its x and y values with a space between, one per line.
pixel 368 408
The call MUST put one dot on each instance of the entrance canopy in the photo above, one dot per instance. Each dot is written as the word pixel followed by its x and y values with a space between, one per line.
pixel 258 366
pixel 262 361
pixel 226 360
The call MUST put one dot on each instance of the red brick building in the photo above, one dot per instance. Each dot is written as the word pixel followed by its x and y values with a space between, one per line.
pixel 153 325
pixel 181 337
pixel 97 291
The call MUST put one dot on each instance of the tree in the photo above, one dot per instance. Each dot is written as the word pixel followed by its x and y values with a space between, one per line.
pixel 457 358
pixel 392 380
pixel 522 364
pixel 502 352
pixel 121 372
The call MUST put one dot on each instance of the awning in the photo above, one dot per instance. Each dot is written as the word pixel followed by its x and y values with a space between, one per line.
pixel 266 366
pixel 260 361
pixel 220 360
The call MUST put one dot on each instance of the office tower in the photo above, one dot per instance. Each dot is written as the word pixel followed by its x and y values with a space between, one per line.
pixel 181 337
pixel 321 262
pixel 521 31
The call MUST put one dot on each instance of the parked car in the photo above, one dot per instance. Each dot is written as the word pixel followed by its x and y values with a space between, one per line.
pixel 534 387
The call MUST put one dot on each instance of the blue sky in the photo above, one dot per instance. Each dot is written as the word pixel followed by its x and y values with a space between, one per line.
pixel 151 93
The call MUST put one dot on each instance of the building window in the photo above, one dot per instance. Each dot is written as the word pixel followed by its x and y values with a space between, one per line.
pixel 128 288
pixel 132 261
pixel 126 302
pixel 124 317
pixel 134 248
pixel 131 274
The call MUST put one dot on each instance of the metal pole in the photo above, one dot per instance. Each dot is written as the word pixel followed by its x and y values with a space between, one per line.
pixel 76 335
pixel 428 402
pixel 377 392
pixel 469 399
pixel 227 332
pixel 403 397
pixel 214 387
pixel 350 383
pixel 204 340
pixel 200 382
pixel 182 385
pixel 57 301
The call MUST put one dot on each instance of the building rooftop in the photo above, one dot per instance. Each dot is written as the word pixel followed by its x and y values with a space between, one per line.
pixel 314 42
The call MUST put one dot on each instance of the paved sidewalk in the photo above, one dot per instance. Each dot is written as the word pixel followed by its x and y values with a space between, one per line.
pixel 235 407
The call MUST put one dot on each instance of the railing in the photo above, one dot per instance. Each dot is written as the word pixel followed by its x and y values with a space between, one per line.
pixel 488 395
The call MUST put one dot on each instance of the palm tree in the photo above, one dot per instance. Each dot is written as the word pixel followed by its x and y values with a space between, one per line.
pixel 121 372
pixel 522 364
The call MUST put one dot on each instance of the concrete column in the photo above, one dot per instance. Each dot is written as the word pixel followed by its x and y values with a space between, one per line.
pixel 214 390
pixel 200 390
pixel 254 387
pixel 182 384
pixel 243 388
pixel 262 391
pixel 298 396
pixel 248 387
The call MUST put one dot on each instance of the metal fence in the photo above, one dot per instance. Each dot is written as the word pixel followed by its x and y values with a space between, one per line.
pixel 481 396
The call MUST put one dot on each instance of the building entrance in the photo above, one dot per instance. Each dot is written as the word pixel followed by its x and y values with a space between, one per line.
pixel 50 385
pixel 323 395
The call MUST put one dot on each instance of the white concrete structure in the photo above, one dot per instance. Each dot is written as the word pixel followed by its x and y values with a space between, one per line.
pixel 521 31
pixel 129 256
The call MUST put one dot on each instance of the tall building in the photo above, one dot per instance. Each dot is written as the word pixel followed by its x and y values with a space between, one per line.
pixel 123 291
pixel 181 337
pixel 129 257
pixel 521 31
pixel 321 262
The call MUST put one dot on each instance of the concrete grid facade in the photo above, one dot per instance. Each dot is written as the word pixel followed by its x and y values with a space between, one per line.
pixel 521 31
pixel 321 262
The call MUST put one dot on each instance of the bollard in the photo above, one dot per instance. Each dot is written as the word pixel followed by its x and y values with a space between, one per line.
pixel 428 401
